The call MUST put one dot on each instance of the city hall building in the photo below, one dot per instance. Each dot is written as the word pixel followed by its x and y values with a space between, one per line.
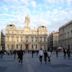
pixel 26 38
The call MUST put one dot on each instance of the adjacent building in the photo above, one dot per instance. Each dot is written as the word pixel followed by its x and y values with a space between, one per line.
pixel 65 35
pixel 53 40
pixel 26 38
pixel 2 41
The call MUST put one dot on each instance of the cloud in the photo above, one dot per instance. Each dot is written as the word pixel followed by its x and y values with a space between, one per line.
pixel 51 1
pixel 25 2
pixel 68 2
pixel 33 4
pixel 11 0
pixel 54 1
pixel 40 13
pixel 53 19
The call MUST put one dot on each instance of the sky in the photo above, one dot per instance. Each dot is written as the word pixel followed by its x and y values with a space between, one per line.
pixel 50 13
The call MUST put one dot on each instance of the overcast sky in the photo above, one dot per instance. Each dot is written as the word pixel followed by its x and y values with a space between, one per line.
pixel 50 13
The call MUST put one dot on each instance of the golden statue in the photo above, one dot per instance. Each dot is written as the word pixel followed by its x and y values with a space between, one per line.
pixel 27 21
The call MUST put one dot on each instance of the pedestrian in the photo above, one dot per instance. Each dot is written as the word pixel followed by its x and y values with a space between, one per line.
pixel 20 56
pixel 37 52
pixel 14 52
pixel 57 53
pixel 64 52
pixel 68 53
pixel 1 54
pixel 40 55
pixel 32 53
pixel 49 56
pixel 45 56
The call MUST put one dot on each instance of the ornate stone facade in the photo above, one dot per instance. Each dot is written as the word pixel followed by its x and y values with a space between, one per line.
pixel 65 35
pixel 26 38
pixel 53 40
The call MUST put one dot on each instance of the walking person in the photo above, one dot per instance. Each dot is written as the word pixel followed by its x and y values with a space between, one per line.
pixel 45 56
pixel 37 52
pixel 40 55
pixel 64 52
pixel 1 54
pixel 32 53
pixel 20 56
pixel 49 56
pixel 68 53
pixel 57 53
pixel 14 52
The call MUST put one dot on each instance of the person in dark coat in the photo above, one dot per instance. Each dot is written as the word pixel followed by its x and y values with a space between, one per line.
pixel 57 53
pixel 14 52
pixel 20 56
pixel 64 52
pixel 32 53
pixel 68 53
pixel 45 56
pixel 1 53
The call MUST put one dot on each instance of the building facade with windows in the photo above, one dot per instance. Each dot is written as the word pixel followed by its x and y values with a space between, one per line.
pixel 65 35
pixel 53 40
pixel 2 41
pixel 26 38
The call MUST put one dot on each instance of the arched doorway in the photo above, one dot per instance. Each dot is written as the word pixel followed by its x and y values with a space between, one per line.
pixel 27 46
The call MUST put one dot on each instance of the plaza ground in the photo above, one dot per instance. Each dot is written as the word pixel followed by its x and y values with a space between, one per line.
pixel 9 64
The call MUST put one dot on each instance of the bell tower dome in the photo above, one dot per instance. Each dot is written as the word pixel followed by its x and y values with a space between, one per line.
pixel 27 29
